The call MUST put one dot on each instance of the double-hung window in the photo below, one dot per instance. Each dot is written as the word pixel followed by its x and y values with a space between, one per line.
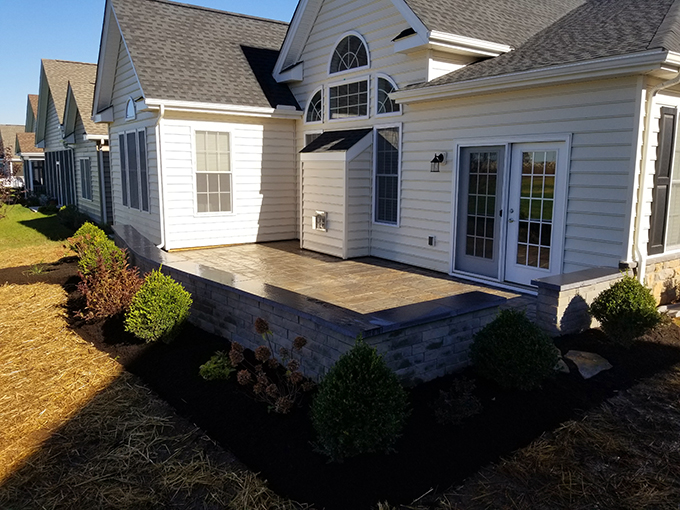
pixel 387 155
pixel 213 172
pixel 85 178
pixel 133 170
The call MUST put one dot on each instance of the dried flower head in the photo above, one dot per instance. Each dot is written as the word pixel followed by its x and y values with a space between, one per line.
pixel 293 365
pixel 259 369
pixel 272 363
pixel 263 379
pixel 308 386
pixel 244 378
pixel 262 353
pixel 296 377
pixel 299 342
pixel 283 405
pixel 284 353
pixel 235 357
pixel 272 391
pixel 261 326
pixel 236 347
pixel 259 388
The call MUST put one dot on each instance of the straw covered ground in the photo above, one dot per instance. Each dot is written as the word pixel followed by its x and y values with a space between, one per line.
pixel 77 431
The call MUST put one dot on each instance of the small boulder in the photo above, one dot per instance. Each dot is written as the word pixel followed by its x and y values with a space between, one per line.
pixel 589 364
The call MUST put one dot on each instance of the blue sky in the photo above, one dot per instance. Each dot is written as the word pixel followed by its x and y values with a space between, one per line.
pixel 70 30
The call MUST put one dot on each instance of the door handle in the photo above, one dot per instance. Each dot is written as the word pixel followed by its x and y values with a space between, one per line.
pixel 510 220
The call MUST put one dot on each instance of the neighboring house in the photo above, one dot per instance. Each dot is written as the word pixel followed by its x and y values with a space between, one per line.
pixel 33 158
pixel 75 148
pixel 12 173
pixel 500 141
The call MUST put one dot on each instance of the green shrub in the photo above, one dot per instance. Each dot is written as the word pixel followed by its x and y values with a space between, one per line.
pixel 217 367
pixel 513 351
pixel 48 209
pixel 159 308
pixel 626 310
pixel 71 217
pixel 360 407
pixel 90 244
pixel 459 403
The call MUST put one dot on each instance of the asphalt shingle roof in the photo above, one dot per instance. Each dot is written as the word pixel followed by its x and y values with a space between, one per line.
pixel 189 53
pixel 33 100
pixel 330 141
pixel 595 29
pixel 508 22
pixel 82 84
pixel 59 73
pixel 8 135
pixel 26 143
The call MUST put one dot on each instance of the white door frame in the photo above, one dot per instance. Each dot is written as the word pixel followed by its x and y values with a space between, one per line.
pixel 561 193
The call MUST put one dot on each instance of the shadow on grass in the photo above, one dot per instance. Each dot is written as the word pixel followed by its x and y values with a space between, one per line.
pixel 50 227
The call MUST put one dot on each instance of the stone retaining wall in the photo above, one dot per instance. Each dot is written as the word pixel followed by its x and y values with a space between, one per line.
pixel 419 342
pixel 563 300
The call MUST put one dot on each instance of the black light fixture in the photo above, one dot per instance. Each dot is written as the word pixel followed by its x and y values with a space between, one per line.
pixel 436 161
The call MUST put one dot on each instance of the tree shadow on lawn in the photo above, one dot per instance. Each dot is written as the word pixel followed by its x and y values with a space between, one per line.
pixel 50 227
pixel 428 455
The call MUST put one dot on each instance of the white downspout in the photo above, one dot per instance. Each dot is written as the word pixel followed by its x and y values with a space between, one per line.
pixel 159 167
pixel 640 255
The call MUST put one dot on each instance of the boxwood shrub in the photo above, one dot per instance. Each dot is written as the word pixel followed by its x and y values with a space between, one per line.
pixel 626 310
pixel 360 407
pixel 513 351
pixel 159 308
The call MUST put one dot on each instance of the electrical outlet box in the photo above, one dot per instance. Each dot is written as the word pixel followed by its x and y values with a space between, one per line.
pixel 431 240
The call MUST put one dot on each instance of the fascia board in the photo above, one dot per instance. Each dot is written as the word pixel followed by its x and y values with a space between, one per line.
pixel 43 100
pixel 323 156
pixel 292 74
pixel 360 146
pixel 103 116
pixel 105 69
pixel 293 33
pixel 197 107
pixel 611 67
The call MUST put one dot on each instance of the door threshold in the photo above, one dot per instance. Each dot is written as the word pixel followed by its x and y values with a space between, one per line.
pixel 515 287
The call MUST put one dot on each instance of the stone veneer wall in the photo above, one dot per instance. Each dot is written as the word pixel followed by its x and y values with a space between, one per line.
pixel 563 300
pixel 417 342
pixel 662 276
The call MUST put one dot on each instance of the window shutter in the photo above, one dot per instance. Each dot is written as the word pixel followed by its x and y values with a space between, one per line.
pixel 662 180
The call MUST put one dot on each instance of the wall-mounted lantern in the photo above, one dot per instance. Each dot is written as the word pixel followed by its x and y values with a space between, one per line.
pixel 437 161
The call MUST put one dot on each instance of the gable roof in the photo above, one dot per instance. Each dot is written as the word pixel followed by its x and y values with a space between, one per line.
pixel 594 30
pixel 25 144
pixel 509 22
pixel 31 112
pixel 340 141
pixel 188 53
pixel 79 97
pixel 54 79
pixel 8 135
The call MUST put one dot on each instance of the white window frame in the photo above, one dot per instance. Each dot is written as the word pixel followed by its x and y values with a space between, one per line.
pixel 365 78
pixel 374 186
pixel 377 95
pixel 139 173
pixel 211 128
pixel 354 69
pixel 323 107
pixel 82 179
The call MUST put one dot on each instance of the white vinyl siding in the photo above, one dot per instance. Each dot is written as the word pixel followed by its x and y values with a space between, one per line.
pixel 53 138
pixel 323 189
pixel 601 118
pixel 126 86
pixel 87 151
pixel 263 180
pixel 359 202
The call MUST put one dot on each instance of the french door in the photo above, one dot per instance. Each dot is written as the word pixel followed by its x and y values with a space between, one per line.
pixel 511 212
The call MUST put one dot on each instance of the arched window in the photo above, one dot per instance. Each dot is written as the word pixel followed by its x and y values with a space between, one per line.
pixel 315 108
pixel 350 53
pixel 130 110
pixel 384 103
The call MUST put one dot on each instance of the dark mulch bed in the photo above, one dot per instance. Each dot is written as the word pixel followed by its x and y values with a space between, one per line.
pixel 428 455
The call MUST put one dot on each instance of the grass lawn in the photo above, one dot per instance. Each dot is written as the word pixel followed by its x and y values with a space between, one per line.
pixel 28 237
